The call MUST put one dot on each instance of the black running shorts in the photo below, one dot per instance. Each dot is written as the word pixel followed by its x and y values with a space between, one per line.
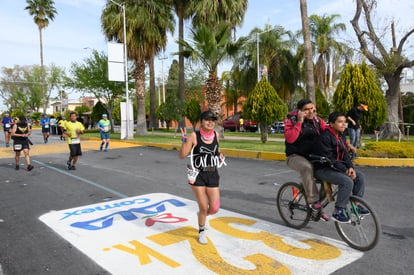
pixel 75 150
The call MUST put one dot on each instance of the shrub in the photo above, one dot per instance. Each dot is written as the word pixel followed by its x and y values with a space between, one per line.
pixel 388 149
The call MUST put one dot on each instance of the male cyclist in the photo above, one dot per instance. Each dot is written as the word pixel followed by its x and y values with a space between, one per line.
pixel 302 129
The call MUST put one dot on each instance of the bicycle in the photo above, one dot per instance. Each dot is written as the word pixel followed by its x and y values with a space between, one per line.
pixel 361 233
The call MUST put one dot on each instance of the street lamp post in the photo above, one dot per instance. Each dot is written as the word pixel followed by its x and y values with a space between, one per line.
pixel 162 76
pixel 128 130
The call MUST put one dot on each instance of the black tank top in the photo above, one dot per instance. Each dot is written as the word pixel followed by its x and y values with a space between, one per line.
pixel 205 155
pixel 22 128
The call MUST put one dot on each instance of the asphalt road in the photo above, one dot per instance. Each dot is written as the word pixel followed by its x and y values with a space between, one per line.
pixel 249 187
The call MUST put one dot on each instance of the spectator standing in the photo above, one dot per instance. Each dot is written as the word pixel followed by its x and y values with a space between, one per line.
pixel 61 127
pixel 354 128
pixel 241 124
pixel 53 125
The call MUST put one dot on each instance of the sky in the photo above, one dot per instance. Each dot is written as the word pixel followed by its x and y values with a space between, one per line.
pixel 76 28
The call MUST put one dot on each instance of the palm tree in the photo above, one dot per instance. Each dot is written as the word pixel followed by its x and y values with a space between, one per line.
pixel 210 47
pixel 310 82
pixel 322 30
pixel 147 25
pixel 183 11
pixel 43 11
pixel 275 53
pixel 209 12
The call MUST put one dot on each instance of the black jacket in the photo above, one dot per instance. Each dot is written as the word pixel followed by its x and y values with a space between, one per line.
pixel 333 147
pixel 300 138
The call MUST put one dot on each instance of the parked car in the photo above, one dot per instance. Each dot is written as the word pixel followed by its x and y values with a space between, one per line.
pixel 232 124
pixel 277 127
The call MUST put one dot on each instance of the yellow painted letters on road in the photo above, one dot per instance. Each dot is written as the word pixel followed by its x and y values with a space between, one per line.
pixel 210 257
pixel 143 252
pixel 319 250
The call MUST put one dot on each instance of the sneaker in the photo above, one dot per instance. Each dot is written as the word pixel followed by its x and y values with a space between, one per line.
pixel 69 164
pixel 72 167
pixel 7 145
pixel 339 215
pixel 202 237
pixel 17 167
pixel 30 167
pixel 100 148
pixel 362 211
pixel 105 150
pixel 316 205
pixel 324 217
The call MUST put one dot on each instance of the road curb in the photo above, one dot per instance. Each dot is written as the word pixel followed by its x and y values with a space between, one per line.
pixel 361 161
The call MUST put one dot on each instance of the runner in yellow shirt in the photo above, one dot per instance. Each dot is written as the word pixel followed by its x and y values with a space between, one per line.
pixel 72 130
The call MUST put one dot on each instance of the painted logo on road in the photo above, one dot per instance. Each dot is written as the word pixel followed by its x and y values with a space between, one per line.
pixel 157 234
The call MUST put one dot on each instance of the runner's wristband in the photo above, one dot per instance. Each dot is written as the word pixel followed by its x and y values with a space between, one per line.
pixel 184 138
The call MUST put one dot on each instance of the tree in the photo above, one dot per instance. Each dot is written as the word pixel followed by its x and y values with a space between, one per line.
pixel 357 85
pixel 172 81
pixel 170 110
pixel 212 12
pixel 183 11
pixel 91 77
pixel 210 47
pixel 43 11
pixel 322 105
pixel 310 82
pixel 389 64
pixel 21 86
pixel 81 109
pixel 192 111
pixel 55 77
pixel 147 25
pixel 322 31
pixel 97 111
pixel 264 106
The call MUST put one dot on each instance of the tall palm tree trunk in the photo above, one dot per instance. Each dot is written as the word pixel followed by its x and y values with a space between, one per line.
pixel 213 97
pixel 140 95
pixel 42 72
pixel 310 82
pixel 181 93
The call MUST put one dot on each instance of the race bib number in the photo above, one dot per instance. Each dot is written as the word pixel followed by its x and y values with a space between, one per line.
pixel 18 147
pixel 7 125
pixel 46 125
pixel 192 174
pixel 106 128
pixel 75 140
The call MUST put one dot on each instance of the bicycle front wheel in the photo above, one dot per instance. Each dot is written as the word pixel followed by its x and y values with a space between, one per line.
pixel 363 231
pixel 292 205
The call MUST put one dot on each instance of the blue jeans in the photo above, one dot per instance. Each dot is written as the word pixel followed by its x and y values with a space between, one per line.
pixel 354 136
pixel 346 185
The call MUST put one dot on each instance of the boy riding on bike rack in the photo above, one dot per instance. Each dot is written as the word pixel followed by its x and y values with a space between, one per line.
pixel 332 145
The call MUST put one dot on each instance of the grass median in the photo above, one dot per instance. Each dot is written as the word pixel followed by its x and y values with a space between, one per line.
pixel 251 142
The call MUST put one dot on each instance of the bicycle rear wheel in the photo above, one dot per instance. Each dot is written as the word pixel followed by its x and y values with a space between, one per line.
pixel 292 205
pixel 363 232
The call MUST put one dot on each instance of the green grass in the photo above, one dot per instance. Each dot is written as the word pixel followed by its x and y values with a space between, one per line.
pixel 168 138
pixel 394 149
